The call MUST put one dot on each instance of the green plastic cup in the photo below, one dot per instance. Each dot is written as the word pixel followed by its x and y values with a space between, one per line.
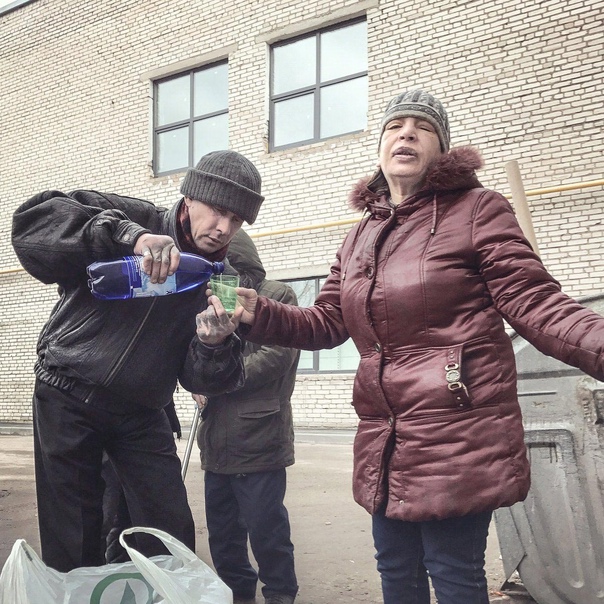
pixel 224 286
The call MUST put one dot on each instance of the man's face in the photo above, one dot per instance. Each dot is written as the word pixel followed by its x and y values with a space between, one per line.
pixel 211 227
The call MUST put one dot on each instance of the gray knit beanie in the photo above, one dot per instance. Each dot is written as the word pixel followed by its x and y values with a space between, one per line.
pixel 421 104
pixel 227 180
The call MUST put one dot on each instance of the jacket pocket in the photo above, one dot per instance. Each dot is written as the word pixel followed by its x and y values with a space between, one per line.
pixel 442 379
pixel 256 408
pixel 259 429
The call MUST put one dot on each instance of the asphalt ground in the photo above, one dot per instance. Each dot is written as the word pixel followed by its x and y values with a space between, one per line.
pixel 330 532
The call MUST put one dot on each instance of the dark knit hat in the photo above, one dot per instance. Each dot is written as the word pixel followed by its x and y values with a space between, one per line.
pixel 421 104
pixel 227 180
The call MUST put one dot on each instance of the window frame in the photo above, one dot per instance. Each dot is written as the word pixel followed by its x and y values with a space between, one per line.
pixel 189 122
pixel 13 5
pixel 314 89
pixel 316 354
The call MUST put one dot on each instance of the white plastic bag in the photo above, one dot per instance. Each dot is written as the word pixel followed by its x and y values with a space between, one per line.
pixel 194 582
pixel 180 578
pixel 25 579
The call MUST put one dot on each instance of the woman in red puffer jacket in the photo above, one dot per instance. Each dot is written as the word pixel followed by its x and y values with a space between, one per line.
pixel 422 285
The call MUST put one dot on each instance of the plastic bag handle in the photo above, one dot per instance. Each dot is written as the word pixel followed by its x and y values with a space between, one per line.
pixel 24 562
pixel 158 578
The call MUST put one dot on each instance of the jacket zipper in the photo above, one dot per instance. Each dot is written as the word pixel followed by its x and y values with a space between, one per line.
pixel 120 362
pixel 381 230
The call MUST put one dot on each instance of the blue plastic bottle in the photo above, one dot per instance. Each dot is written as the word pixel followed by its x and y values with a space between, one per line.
pixel 124 278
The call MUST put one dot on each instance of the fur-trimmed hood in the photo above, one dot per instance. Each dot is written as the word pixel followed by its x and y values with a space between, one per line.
pixel 454 171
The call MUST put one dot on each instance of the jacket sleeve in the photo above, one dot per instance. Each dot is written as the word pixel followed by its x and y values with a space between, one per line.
pixel 212 371
pixel 314 328
pixel 273 361
pixel 57 235
pixel 528 297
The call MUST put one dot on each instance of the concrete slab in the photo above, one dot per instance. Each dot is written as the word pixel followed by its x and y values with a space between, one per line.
pixel 331 533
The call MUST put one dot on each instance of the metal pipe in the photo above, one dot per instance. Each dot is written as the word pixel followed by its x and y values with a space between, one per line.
pixel 325 225
pixel 308 227
pixel 570 187
pixel 8 271
pixel 190 441
pixel 523 213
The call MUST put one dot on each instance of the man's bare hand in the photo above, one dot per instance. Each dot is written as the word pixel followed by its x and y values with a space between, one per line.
pixel 214 325
pixel 160 256
pixel 201 401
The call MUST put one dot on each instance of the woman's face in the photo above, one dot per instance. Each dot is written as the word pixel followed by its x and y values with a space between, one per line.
pixel 408 148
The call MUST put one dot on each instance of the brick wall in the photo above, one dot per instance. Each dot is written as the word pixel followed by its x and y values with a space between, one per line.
pixel 521 80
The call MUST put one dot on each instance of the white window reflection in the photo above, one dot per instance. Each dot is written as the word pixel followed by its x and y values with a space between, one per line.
pixel 172 149
pixel 294 120
pixel 190 118
pixel 344 107
pixel 344 358
pixel 344 51
pixel 294 65
pixel 211 134
pixel 173 100
pixel 211 89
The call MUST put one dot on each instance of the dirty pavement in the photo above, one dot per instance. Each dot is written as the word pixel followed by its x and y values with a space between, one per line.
pixel 330 532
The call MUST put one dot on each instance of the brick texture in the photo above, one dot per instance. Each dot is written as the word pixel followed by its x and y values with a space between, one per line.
pixel 521 80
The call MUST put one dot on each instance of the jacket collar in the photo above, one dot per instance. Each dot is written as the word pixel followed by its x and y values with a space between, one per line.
pixel 177 225
pixel 452 172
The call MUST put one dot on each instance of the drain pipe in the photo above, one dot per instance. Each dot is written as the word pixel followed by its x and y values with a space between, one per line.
pixel 521 207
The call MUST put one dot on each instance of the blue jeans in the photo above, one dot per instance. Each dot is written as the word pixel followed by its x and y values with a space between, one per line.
pixel 250 506
pixel 451 552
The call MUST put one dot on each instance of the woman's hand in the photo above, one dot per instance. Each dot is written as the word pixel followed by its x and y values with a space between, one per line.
pixel 160 256
pixel 247 299
pixel 246 304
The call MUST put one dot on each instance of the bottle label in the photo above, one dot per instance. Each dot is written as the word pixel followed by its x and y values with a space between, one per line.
pixel 148 289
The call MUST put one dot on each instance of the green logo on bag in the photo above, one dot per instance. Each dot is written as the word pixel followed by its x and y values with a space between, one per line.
pixel 133 589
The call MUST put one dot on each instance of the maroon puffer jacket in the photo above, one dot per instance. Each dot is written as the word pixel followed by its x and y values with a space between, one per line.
pixel 422 289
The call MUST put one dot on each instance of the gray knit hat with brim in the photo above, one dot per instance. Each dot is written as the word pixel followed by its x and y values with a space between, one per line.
pixel 227 180
pixel 420 104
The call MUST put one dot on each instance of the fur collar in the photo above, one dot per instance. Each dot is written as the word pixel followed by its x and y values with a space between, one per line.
pixel 453 171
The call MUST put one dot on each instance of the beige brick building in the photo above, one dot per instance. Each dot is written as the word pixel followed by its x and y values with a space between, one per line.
pixel 78 96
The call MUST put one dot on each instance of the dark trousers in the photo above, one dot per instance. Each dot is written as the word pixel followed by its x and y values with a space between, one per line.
pixel 239 506
pixel 116 516
pixel 451 552
pixel 69 439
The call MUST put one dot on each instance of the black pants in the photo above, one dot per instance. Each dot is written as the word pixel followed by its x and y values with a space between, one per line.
pixel 116 516
pixel 242 505
pixel 69 439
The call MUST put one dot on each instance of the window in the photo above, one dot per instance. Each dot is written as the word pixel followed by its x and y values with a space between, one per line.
pixel 6 6
pixel 343 358
pixel 319 85
pixel 190 117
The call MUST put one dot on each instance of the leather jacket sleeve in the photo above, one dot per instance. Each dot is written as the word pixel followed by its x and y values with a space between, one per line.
pixel 56 235
pixel 212 371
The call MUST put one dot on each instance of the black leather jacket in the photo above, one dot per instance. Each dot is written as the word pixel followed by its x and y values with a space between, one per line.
pixel 120 352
